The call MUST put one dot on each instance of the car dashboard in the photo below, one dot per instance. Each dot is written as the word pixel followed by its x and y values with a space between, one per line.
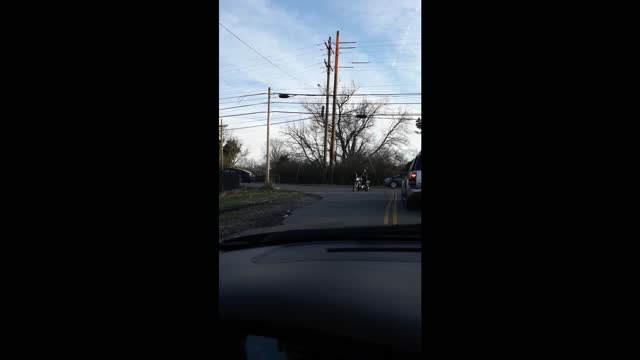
pixel 365 292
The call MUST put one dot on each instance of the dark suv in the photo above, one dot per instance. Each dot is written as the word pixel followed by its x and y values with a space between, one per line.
pixel 412 184
pixel 245 176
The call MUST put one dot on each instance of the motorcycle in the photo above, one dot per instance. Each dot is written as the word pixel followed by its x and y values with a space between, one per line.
pixel 358 185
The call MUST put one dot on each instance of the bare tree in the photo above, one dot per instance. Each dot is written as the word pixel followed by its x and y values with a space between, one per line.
pixel 241 156
pixel 355 128
pixel 249 164
pixel 395 135
pixel 306 142
pixel 279 150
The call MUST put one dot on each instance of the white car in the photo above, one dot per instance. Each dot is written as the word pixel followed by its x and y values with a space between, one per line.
pixel 412 184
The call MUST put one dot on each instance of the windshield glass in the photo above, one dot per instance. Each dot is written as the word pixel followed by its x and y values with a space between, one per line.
pixel 319 205
pixel 319 115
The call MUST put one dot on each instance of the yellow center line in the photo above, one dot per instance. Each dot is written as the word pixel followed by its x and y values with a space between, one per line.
pixel 395 210
pixel 387 214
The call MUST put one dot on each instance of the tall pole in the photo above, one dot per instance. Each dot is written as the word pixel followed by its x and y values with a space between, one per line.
pixel 221 154
pixel 326 114
pixel 332 157
pixel 267 180
pixel 325 124
pixel 221 145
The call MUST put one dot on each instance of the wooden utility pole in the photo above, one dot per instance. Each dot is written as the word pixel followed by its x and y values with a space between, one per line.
pixel 332 157
pixel 267 180
pixel 221 145
pixel 322 114
pixel 326 114
pixel 221 154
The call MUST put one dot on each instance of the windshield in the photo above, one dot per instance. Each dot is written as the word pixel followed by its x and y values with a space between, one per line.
pixel 319 115
pixel 319 208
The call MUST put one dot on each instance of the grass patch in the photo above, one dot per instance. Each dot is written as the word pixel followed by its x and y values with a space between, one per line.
pixel 257 208
pixel 243 197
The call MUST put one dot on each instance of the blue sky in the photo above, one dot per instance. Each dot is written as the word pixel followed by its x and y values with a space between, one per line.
pixel 290 34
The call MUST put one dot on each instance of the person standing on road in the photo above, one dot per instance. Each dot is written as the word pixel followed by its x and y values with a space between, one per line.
pixel 364 177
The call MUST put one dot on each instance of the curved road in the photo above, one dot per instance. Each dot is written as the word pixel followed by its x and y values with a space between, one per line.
pixel 341 207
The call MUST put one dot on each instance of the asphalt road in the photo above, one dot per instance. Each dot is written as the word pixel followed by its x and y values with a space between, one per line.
pixel 341 207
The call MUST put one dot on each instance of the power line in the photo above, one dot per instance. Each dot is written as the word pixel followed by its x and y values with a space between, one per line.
pixel 390 51
pixel 386 45
pixel 372 103
pixel 296 112
pixel 359 86
pixel 267 82
pixel 253 71
pixel 282 122
pixel 231 102
pixel 381 41
pixel 396 115
pixel 311 118
pixel 243 92
pixel 241 80
pixel 237 68
pixel 389 85
pixel 232 97
pixel 411 114
pixel 370 70
pixel 250 120
pixel 262 68
pixel 264 112
pixel 247 65
pixel 396 94
pixel 239 106
pixel 398 62
pixel 261 61
pixel 231 115
pixel 258 94
pixel 280 58
pixel 254 50
pixel 365 67
pixel 303 112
